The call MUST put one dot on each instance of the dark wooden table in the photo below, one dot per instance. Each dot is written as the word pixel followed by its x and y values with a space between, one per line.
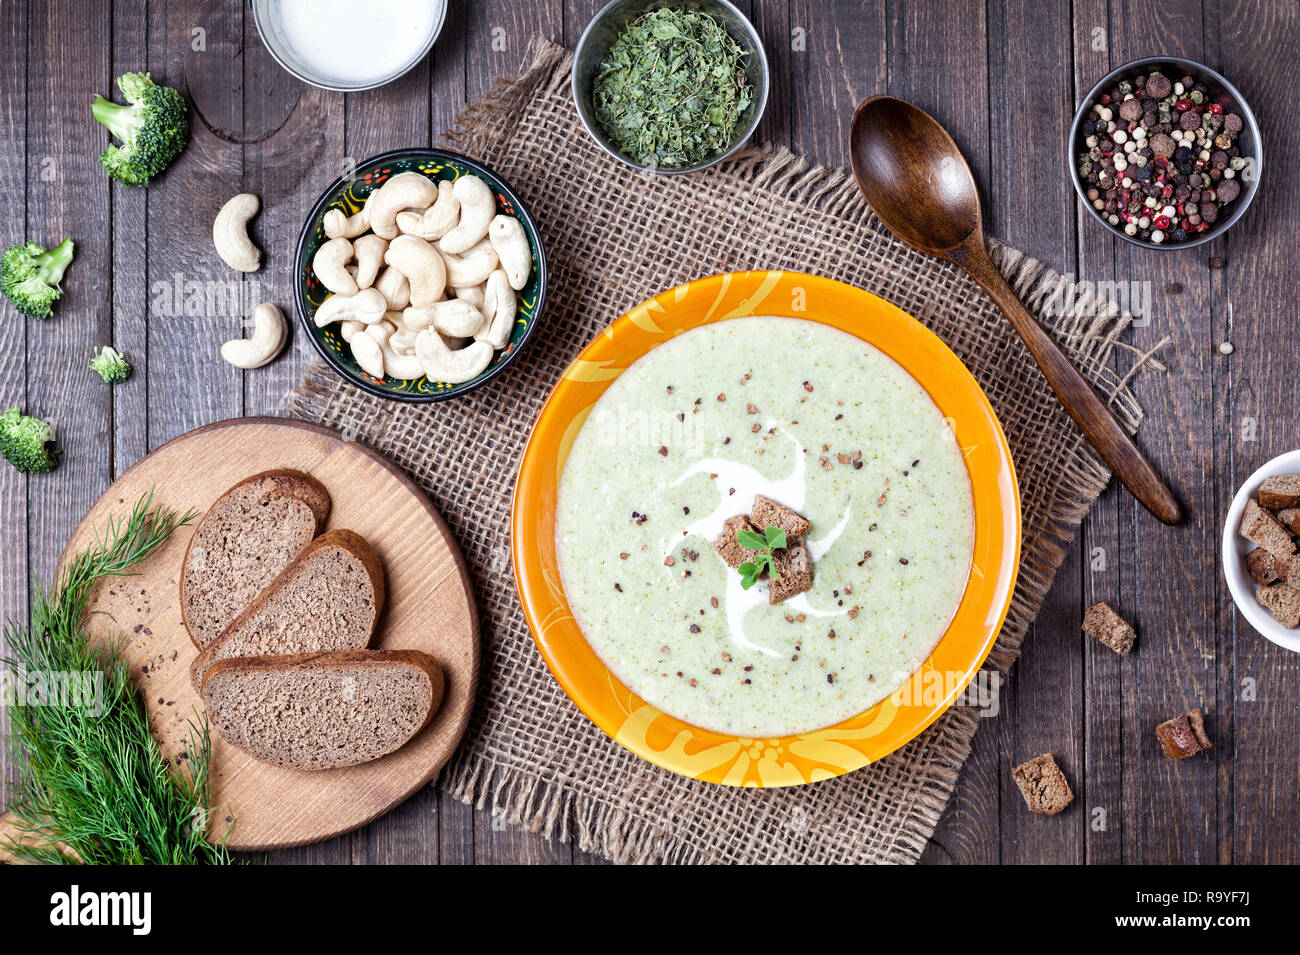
pixel 1004 77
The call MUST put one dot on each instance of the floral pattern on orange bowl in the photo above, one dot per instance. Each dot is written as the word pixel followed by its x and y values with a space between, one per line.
pixel 349 194
pixel 941 679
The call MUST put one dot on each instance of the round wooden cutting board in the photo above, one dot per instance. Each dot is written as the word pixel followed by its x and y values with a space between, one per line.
pixel 429 607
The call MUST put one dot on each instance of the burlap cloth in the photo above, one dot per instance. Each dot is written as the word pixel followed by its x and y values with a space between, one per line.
pixel 613 238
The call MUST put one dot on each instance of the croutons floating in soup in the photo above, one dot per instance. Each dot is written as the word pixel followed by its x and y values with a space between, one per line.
pixel 816 421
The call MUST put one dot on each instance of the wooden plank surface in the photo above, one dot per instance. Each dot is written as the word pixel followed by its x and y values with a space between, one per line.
pixel 1003 75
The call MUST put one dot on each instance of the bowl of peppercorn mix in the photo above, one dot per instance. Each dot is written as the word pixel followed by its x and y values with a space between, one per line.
pixel 1165 153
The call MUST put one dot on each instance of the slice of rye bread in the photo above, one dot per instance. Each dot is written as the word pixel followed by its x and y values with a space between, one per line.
pixel 318 711
pixel 329 598
pixel 250 534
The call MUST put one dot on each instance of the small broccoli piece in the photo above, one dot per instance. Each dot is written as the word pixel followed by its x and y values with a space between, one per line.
pixel 24 441
pixel 110 364
pixel 153 129
pixel 30 276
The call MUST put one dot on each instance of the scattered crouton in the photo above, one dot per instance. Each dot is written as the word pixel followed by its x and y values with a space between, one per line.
pixel 728 547
pixel 768 513
pixel 1260 526
pixel 1280 491
pixel 1283 602
pixel 1184 735
pixel 792 574
pixel 1044 786
pixel 1103 623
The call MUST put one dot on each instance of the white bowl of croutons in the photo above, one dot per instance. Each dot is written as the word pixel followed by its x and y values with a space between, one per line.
pixel 1261 555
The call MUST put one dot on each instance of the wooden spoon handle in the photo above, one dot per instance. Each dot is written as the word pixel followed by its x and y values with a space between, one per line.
pixel 1090 413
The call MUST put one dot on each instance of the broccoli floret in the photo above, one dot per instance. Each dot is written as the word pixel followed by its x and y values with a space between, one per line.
pixel 30 276
pixel 24 441
pixel 153 129
pixel 110 364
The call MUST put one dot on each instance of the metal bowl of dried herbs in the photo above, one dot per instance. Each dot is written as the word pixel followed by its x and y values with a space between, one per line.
pixel 670 85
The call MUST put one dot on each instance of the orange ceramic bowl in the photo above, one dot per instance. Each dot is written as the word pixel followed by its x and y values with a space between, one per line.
pixel 942 677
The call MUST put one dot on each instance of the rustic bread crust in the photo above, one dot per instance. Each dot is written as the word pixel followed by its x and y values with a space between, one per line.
pixel 348 540
pixel 329 659
pixel 296 484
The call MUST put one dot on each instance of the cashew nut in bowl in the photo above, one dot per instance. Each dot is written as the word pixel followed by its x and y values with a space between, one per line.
pixel 457 318
pixel 511 244
pixel 269 333
pixel 422 265
pixel 472 268
pixel 369 250
pixel 350 328
pixel 417 319
pixel 453 367
pixel 367 306
pixel 393 286
pixel 500 307
pixel 399 365
pixel 330 263
pixel 380 332
pixel 475 295
pixel 338 224
pixel 406 190
pixel 402 341
pixel 436 221
pixel 230 233
pixel 477 207
pixel 369 355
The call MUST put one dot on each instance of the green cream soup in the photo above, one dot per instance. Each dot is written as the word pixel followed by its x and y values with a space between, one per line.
pixel 816 420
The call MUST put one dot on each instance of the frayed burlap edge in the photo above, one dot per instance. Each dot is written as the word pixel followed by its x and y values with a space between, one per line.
pixel 546 806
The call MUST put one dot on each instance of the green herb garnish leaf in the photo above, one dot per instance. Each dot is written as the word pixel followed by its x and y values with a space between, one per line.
pixel 771 540
pixel 672 89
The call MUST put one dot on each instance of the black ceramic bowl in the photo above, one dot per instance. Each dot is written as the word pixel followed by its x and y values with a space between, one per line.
pixel 349 194
pixel 1221 91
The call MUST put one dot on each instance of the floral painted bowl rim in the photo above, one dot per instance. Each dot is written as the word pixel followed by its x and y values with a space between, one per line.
pixel 301 266
pixel 820 754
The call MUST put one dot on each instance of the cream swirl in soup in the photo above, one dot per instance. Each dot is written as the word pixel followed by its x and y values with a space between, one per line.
pixel 817 420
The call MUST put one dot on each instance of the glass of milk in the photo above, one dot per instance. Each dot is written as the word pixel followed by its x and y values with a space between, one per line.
pixel 345 45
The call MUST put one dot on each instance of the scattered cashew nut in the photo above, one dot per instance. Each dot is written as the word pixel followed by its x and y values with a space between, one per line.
pixel 436 221
pixel 230 233
pixel 338 224
pixel 500 307
pixel 367 306
pixel 441 363
pixel 423 267
pixel 406 190
pixel 477 207
pixel 369 250
pixel 330 263
pixel 269 333
pixel 508 238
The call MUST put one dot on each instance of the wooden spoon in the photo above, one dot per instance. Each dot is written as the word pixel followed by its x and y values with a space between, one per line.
pixel 917 182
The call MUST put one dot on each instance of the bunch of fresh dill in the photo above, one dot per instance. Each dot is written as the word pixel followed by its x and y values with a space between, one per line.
pixel 94 786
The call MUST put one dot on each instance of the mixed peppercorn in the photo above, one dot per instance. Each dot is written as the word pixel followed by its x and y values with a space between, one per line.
pixel 1162 157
